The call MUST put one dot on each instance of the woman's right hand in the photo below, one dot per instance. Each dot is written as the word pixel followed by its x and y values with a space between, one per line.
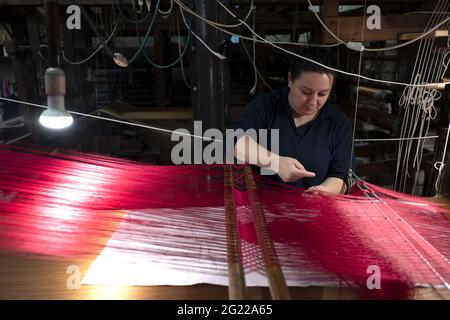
pixel 290 169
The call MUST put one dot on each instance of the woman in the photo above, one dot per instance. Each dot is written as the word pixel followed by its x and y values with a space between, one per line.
pixel 315 139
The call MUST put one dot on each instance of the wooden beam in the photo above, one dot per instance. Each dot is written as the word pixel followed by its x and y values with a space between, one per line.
pixel 238 2
pixel 435 34
pixel 158 114
pixel 349 28
pixel 264 19
pixel 300 2
pixel 61 2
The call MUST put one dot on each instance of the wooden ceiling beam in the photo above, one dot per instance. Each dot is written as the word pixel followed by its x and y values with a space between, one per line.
pixel 245 2
pixel 392 26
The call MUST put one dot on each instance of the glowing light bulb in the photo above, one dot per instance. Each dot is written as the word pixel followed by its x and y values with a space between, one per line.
pixel 55 117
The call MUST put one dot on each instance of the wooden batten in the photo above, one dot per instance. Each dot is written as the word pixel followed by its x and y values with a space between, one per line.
pixel 414 35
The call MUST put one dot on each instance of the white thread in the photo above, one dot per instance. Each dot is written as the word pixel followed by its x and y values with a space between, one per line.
pixel 430 266
pixel 118 121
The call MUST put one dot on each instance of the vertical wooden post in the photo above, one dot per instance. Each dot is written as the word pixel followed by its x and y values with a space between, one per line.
pixel 277 283
pixel 330 15
pixel 210 75
pixel 236 287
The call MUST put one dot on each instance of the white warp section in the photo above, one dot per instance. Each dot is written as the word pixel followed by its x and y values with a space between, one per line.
pixel 182 247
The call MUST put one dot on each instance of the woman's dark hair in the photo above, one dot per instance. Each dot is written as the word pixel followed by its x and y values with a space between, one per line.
pixel 321 55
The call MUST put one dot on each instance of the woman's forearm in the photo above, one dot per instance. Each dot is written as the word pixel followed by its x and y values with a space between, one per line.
pixel 249 151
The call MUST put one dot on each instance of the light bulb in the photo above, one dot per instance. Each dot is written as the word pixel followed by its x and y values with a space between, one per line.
pixel 55 119
pixel 120 60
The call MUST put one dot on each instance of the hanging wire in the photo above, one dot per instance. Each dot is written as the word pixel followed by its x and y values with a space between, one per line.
pixel 180 57
pixel 423 35
pixel 119 4
pixel 274 44
pixel 101 46
pixel 135 124
pixel 439 165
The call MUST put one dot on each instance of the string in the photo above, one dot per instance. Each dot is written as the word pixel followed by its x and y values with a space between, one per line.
pixel 218 27
pixel 253 60
pixel 426 108
pixel 383 202
pixel 415 96
pixel 179 51
pixel 379 49
pixel 274 44
pixel 439 165
pixel 355 114
pixel 113 32
pixel 218 55
pixel 415 250
pixel 165 14
pixel 136 124
pixel 396 139
pixel 57 198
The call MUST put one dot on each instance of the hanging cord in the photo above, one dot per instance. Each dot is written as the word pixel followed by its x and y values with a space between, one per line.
pixel 255 67
pixel 179 51
pixel 396 139
pixel 392 219
pixel 377 202
pixel 253 60
pixel 220 27
pixel 234 16
pixel 273 44
pixel 119 4
pixel 423 35
pixel 439 165
pixel 350 168
pixel 180 57
pixel 135 124
pixel 419 104
pixel 218 55
pixel 166 14
pixel 144 42
pixel 408 98
pixel 93 53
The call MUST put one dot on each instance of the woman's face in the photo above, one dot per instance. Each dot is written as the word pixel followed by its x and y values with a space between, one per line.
pixel 309 92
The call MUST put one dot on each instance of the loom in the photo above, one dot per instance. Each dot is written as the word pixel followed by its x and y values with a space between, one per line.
pixel 206 230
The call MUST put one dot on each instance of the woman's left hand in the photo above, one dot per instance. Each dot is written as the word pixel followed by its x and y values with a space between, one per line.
pixel 331 185
pixel 318 189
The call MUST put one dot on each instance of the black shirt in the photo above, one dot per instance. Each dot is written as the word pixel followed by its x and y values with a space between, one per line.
pixel 323 145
